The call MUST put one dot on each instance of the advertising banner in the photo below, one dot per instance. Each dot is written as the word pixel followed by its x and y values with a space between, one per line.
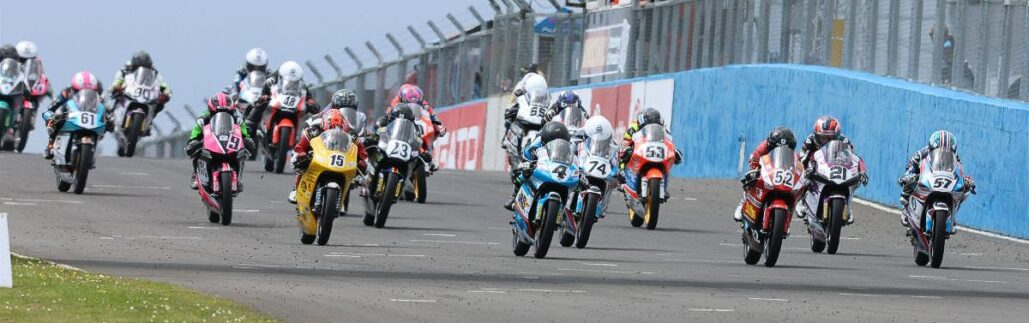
pixel 605 50
pixel 462 147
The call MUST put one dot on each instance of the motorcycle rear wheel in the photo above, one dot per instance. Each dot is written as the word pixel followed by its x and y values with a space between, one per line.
pixel 520 248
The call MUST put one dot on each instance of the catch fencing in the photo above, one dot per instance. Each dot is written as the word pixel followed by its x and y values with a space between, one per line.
pixel 983 47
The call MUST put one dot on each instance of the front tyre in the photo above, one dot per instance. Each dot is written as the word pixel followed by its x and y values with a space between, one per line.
pixel 330 209
pixel 132 134
pixel 285 134
pixel 653 204
pixel 82 166
pixel 545 232
pixel 421 187
pixel 589 217
pixel 939 237
pixel 774 243
pixel 226 198
pixel 386 202
pixel 24 129
pixel 835 225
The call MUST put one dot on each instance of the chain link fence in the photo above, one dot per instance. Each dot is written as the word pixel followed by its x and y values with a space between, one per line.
pixel 981 46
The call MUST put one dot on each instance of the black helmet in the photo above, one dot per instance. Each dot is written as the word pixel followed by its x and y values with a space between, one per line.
pixel 344 98
pixel 141 59
pixel 649 116
pixel 782 136
pixel 8 51
pixel 554 130
pixel 404 110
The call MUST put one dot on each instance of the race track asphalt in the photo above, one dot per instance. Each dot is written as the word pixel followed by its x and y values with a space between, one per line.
pixel 451 261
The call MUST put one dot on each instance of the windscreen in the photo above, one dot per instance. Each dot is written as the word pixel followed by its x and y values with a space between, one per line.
pixel 539 98
pixel 336 139
pixel 9 70
pixel 87 100
pixel 560 151
pixel 33 70
pixel 653 133
pixel 403 130
pixel 573 117
pixel 290 87
pixel 943 160
pixel 416 111
pixel 145 77
pixel 351 116
pixel 601 148
pixel 256 79
pixel 221 126
pixel 838 153
pixel 782 157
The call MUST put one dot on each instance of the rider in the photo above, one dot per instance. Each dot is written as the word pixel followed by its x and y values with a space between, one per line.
pixel 551 131
pixel 410 93
pixel 321 122
pixel 289 71
pixel 8 51
pixel 532 80
pixel 26 51
pixel 941 139
pixel 780 136
pixel 826 129
pixel 566 99
pixel 255 60
pixel 141 59
pixel 646 117
pixel 55 120
pixel 220 102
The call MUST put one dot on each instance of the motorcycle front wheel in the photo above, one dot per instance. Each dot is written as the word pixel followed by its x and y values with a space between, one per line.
pixel 329 210
pixel 589 217
pixel 226 198
pixel 85 161
pixel 24 129
pixel 939 238
pixel 545 233
pixel 774 243
pixel 132 135
pixel 386 202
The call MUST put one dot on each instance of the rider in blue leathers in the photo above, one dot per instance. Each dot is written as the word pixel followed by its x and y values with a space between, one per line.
pixel 550 131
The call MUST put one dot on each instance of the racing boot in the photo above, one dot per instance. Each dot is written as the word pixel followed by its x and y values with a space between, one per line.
pixel 292 196
pixel 738 214
pixel 193 182
pixel 48 154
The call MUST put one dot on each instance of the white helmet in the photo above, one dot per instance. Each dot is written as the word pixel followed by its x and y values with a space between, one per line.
pixel 26 49
pixel 291 71
pixel 257 57
pixel 598 128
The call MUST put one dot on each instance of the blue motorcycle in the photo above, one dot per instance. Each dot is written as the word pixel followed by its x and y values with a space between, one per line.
pixel 932 209
pixel 540 202
pixel 75 145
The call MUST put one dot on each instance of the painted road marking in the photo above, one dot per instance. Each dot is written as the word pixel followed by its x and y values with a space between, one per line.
pixel 959 280
pixel 150 237
pixel 768 299
pixel 20 203
pixel 439 235
pixel 204 228
pixel 598 264
pixel 39 200
pixel 245 210
pixel 889 296
pixel 734 245
pixel 721 310
pixel 529 290
pixel 132 187
pixel 960 227
pixel 850 238
pixel 488 291
pixel 361 255
pixel 458 242
pixel 992 268
pixel 412 300
pixel 607 271
pixel 359 244
pixel 135 174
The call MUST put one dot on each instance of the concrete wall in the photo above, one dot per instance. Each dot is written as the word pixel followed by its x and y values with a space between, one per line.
pixel 887 119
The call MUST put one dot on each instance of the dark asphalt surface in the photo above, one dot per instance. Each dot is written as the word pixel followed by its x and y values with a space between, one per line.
pixel 451 260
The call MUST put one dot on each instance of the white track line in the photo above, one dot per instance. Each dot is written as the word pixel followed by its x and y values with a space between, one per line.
pixel 132 187
pixel 891 210
pixel 768 299
pixel 458 242
pixel 439 235
pixel 412 300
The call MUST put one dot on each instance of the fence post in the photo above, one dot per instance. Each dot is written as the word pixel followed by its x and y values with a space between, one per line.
pixel 1005 52
pixel 873 33
pixel 1024 91
pixel 893 39
pixel 940 33
pixel 957 64
pixel 984 46
pixel 851 32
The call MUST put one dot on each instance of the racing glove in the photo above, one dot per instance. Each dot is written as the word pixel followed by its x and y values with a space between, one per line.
pixel 300 161
pixel 510 113
pixel 248 143
pixel 441 130
pixel 519 92
pixel 163 98
pixel 526 168
pixel 907 179
pixel 193 148
pixel 750 177
pixel 678 157
pixel 864 179
pixel 970 184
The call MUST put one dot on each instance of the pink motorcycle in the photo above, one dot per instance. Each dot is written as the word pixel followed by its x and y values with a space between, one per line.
pixel 219 167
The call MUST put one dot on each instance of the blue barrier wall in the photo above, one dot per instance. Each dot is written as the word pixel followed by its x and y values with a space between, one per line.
pixel 887 119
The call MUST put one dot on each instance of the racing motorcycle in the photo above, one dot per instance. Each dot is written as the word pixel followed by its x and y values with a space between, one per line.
pixel 398 147
pixel 75 145
pixel 769 204
pixel 589 203
pixel 219 167
pixel 646 175
pixel 835 175
pixel 38 86
pixel 357 121
pixel 249 90
pixel 287 103
pixel 416 187
pixel 134 109
pixel 12 95
pixel 532 107
pixel 539 207
pixel 931 209
pixel 329 176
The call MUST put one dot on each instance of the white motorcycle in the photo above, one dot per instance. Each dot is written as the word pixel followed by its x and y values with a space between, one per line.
pixel 249 91
pixel 134 109
pixel 597 161
pixel 835 175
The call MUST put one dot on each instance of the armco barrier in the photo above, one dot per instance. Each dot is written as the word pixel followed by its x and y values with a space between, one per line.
pixel 887 119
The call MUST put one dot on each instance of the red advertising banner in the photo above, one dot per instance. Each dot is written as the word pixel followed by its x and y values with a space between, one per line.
pixel 462 147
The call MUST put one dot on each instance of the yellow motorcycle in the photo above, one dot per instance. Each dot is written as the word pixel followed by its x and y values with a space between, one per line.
pixel 332 170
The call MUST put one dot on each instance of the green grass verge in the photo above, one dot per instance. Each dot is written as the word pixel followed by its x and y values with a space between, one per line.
pixel 44 292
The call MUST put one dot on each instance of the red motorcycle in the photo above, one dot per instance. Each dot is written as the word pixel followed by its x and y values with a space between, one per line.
pixel 38 86
pixel 769 203
pixel 287 103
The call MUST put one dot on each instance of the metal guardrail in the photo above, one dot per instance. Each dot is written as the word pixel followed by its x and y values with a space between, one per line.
pixel 983 47
pixel 169 144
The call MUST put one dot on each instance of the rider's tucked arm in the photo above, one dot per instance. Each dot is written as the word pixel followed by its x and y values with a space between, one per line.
pixel 529 153
pixel 198 127
pixel 755 157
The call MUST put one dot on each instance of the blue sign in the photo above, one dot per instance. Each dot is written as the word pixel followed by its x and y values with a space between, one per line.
pixel 547 26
